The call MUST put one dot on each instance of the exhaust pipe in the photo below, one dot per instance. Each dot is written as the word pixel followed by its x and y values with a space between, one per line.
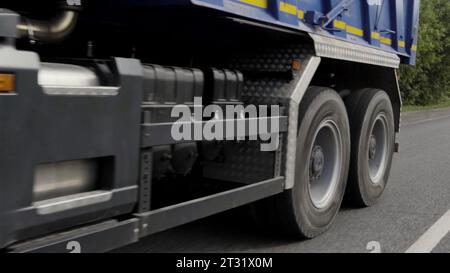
pixel 54 30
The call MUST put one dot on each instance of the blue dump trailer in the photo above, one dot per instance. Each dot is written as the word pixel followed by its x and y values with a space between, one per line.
pixel 121 119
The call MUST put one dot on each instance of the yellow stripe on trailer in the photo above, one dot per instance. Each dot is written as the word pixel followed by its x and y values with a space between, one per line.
pixel 258 3
pixel 386 41
pixel 340 24
pixel 355 31
pixel 288 8
pixel 414 47
pixel 401 43
pixel 301 14
pixel 376 36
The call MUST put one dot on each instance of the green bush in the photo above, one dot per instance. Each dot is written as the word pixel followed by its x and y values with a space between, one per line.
pixel 429 81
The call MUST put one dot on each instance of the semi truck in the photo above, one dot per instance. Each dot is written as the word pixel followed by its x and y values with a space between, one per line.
pixel 120 119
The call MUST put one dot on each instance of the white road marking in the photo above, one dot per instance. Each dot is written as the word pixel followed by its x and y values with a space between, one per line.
pixel 431 238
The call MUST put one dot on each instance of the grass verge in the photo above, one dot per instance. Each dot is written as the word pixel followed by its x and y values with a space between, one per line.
pixel 415 108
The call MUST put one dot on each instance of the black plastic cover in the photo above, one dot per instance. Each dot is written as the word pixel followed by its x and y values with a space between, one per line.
pixel 224 86
pixel 172 85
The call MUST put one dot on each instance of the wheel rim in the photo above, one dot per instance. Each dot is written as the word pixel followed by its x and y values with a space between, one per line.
pixel 325 162
pixel 377 149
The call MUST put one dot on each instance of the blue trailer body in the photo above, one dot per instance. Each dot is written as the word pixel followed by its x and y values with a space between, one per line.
pixel 390 25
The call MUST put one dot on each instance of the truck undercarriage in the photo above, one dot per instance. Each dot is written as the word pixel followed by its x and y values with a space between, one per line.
pixel 89 161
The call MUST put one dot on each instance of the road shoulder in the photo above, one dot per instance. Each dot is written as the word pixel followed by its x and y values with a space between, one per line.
pixel 426 115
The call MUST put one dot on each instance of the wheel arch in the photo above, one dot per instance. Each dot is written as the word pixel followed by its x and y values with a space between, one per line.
pixel 344 77
pixel 347 77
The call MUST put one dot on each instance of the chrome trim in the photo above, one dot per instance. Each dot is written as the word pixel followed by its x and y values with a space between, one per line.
pixel 54 30
pixel 60 74
pixel 81 90
pixel 52 180
pixel 72 80
pixel 72 201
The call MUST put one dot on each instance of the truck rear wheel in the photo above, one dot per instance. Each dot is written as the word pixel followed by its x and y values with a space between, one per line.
pixel 373 136
pixel 322 162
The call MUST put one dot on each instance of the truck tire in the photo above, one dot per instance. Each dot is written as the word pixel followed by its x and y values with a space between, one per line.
pixel 373 137
pixel 322 161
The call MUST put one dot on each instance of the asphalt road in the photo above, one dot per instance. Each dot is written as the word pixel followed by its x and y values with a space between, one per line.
pixel 417 197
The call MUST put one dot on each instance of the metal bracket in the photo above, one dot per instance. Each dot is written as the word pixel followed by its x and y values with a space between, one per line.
pixel 336 11
pixel 389 31
pixel 317 18
pixel 145 183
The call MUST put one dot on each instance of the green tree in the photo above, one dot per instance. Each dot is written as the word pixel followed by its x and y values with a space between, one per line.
pixel 429 81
